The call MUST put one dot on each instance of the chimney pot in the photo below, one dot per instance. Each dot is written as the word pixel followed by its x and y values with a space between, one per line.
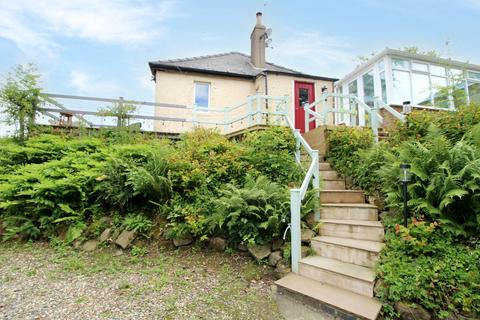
pixel 259 18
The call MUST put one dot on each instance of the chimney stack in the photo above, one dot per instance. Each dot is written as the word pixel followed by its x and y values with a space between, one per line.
pixel 258 44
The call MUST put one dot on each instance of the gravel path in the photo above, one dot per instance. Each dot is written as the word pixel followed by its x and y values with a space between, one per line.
pixel 40 282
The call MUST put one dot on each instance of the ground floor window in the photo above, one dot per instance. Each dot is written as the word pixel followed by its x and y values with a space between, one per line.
pixel 202 94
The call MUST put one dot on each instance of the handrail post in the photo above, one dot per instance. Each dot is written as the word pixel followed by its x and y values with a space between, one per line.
pixel 316 183
pixel 120 110
pixel 296 245
pixel 374 119
pixel 297 146
pixel 325 107
pixel 306 106
pixel 258 112
pixel 225 121
pixel 194 117
pixel 249 110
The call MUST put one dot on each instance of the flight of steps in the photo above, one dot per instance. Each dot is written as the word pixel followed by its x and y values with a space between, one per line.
pixel 339 280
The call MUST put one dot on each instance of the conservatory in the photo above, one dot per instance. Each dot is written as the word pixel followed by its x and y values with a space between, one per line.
pixel 398 77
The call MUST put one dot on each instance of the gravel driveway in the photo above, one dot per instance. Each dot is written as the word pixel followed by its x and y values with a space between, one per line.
pixel 41 282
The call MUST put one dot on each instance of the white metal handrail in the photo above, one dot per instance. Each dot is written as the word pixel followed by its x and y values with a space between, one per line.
pixel 298 194
pixel 374 116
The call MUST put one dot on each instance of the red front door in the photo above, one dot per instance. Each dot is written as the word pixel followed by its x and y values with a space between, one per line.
pixel 304 93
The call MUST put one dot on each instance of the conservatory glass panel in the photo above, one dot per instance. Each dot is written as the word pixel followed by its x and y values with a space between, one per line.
pixel 381 65
pixel 383 85
pixel 474 91
pixel 421 89
pixel 474 75
pixel 399 64
pixel 368 88
pixel 437 70
pixel 353 89
pixel 440 92
pixel 401 86
pixel 420 66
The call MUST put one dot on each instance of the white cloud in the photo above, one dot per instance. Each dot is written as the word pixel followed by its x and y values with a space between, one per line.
pixel 326 53
pixel 34 24
pixel 85 84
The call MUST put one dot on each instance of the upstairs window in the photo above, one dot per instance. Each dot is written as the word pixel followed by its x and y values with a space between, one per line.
pixel 202 94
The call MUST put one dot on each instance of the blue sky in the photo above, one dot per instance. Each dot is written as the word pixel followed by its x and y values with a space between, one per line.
pixel 102 47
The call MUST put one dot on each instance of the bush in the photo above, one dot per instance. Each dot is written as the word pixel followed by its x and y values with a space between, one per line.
pixel 452 125
pixel 198 185
pixel 271 153
pixel 251 214
pixel 344 143
pixel 445 180
pixel 421 264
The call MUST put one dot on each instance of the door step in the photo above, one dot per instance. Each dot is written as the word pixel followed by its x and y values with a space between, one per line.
pixel 342 196
pixel 352 229
pixel 335 301
pixel 349 211
pixel 360 252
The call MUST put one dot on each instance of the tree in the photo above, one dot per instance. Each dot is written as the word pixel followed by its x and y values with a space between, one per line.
pixel 122 111
pixel 20 98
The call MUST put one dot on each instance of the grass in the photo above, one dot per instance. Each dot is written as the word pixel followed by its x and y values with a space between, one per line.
pixel 183 284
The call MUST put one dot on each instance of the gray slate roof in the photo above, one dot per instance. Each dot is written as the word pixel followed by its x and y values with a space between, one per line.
pixel 231 63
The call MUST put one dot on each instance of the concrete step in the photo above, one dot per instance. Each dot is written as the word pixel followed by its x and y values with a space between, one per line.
pixel 360 252
pixel 349 211
pixel 337 302
pixel 328 174
pixel 324 166
pixel 333 184
pixel 340 274
pixel 352 229
pixel 342 196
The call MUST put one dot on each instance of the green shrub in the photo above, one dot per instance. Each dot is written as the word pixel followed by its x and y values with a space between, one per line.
pixel 137 223
pixel 420 264
pixel 37 198
pixel 452 125
pixel 344 143
pixel 253 213
pixel 271 153
pixel 445 180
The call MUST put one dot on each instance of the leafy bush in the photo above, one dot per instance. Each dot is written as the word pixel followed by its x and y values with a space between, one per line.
pixel 36 198
pixel 344 143
pixel 252 213
pixel 420 264
pixel 270 153
pixel 137 223
pixel 451 124
pixel 58 183
pixel 445 180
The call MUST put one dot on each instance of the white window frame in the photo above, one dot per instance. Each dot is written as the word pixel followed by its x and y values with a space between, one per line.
pixel 202 108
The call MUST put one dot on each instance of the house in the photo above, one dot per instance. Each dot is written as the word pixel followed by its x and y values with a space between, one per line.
pixel 202 88
pixel 397 77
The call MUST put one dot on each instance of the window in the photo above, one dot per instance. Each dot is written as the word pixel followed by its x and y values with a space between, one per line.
pixel 440 92
pixel 202 94
pixel 437 70
pixel 474 91
pixel 421 89
pixel 417 66
pixel 474 75
pixel 383 85
pixel 400 64
pixel 368 89
pixel 401 87
pixel 353 89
